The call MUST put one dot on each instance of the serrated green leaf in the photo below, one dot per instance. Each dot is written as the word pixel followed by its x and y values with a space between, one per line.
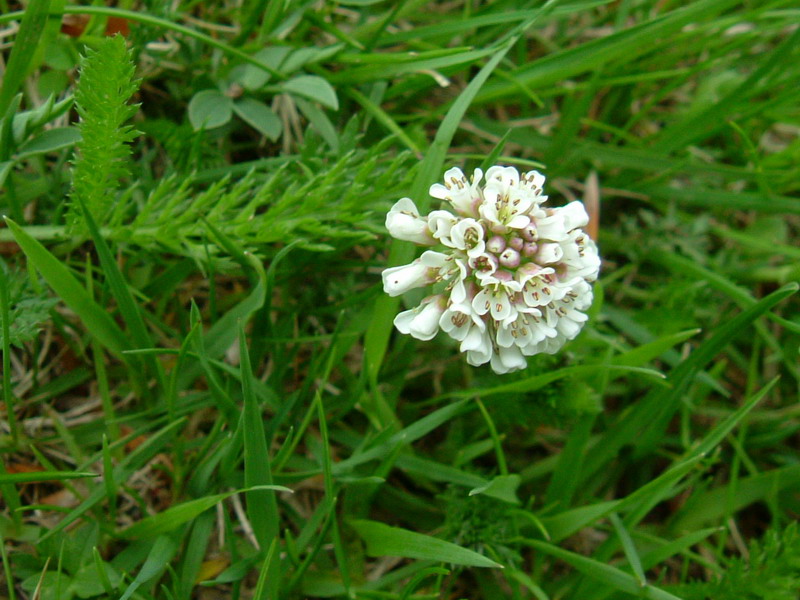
pixel 106 82
pixel 27 308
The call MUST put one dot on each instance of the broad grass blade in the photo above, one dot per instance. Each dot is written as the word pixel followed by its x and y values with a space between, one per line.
pixel 383 540
pixel 96 319
pixel 603 573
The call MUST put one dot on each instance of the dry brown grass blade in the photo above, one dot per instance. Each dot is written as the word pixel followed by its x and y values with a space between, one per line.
pixel 591 200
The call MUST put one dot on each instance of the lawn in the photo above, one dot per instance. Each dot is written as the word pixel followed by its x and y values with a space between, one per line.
pixel 208 392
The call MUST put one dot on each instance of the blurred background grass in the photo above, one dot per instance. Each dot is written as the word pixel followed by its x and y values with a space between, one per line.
pixel 203 394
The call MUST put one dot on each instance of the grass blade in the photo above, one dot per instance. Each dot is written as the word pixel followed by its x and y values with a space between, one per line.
pixel 162 552
pixel 178 514
pixel 658 555
pixel 411 433
pixel 39 476
pixel 25 46
pixel 383 540
pixel 127 467
pixel 96 319
pixel 539 381
pixel 564 524
pixel 645 423
pixel 603 573
pixel 128 308
pixel 629 548
pixel 261 506
pixel 5 323
pixel 651 350
pixel 628 43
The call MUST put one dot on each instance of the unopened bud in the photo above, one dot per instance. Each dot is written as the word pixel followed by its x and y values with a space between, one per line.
pixel 496 244
pixel 509 258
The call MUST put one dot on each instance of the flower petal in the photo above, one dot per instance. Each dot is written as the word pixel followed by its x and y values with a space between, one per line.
pixel 404 223
pixel 398 280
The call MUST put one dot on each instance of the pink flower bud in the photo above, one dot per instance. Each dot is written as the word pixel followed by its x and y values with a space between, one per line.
pixel 509 258
pixel 496 244
pixel 530 233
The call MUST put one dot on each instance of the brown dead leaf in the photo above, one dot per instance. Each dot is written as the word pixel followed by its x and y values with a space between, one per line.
pixel 591 200
pixel 64 498
pixel 23 468
pixel 211 568
pixel 135 442
pixel 74 25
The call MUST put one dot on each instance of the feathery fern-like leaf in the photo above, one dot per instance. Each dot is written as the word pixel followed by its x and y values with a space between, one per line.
pixel 105 85
pixel 771 571
pixel 324 205
pixel 28 308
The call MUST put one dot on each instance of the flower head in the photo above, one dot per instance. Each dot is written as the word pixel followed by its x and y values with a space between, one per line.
pixel 516 275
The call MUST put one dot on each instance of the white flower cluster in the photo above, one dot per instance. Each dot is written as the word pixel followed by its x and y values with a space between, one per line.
pixel 513 278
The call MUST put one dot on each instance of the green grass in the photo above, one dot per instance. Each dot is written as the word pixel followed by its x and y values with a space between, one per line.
pixel 203 391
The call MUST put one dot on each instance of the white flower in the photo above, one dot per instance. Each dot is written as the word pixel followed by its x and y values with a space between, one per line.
pixel 539 285
pixel 501 212
pixel 549 253
pixel 440 222
pixel 478 346
pixel 574 215
pixel 496 295
pixel 465 196
pixel 551 228
pixel 580 256
pixel 458 320
pixel 424 270
pixel 502 176
pixel 514 277
pixel 485 265
pixel 523 329
pixel 509 359
pixel 422 322
pixel 404 223
pixel 468 235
